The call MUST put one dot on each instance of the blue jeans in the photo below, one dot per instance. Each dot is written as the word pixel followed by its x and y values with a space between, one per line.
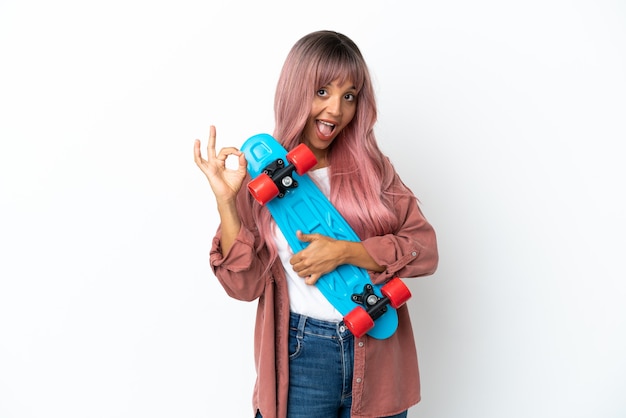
pixel 321 360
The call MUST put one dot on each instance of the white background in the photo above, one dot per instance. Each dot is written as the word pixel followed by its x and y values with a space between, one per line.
pixel 507 119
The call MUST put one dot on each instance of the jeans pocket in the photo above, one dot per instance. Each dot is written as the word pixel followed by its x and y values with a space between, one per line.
pixel 295 344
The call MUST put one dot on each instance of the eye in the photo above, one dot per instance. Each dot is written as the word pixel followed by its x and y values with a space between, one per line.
pixel 322 92
pixel 350 97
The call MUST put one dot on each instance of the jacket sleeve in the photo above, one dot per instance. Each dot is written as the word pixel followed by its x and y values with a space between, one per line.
pixel 242 272
pixel 411 250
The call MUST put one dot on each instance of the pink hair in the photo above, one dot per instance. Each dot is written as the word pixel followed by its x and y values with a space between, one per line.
pixel 359 172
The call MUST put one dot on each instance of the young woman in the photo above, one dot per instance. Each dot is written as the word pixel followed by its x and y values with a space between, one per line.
pixel 308 364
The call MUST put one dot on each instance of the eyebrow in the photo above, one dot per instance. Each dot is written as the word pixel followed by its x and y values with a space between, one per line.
pixel 351 89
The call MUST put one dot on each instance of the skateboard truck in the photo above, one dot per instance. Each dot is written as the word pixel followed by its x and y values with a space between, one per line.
pixel 361 319
pixel 277 177
pixel 281 175
pixel 374 305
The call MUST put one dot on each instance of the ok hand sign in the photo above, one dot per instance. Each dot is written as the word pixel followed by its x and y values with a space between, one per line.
pixel 224 182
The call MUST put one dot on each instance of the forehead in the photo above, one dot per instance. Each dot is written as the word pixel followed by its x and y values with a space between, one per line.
pixel 341 85
pixel 340 72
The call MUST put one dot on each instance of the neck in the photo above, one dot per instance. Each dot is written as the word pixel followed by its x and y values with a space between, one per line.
pixel 322 161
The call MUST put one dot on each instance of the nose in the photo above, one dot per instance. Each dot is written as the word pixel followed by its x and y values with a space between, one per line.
pixel 333 105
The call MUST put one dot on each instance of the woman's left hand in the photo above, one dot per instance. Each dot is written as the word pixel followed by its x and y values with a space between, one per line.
pixel 321 256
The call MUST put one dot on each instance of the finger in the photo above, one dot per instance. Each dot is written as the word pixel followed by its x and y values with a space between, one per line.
pixel 301 266
pixel 197 155
pixel 298 261
pixel 211 145
pixel 227 151
pixel 223 156
pixel 312 279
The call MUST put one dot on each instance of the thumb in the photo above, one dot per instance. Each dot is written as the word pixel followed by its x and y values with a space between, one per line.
pixel 243 163
pixel 305 237
pixel 242 168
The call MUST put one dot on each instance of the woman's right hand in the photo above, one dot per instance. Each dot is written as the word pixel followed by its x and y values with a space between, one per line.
pixel 224 182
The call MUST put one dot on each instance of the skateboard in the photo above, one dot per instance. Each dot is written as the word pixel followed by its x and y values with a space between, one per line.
pixel 279 181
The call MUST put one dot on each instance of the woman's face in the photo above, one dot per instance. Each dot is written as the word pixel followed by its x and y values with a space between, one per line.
pixel 333 108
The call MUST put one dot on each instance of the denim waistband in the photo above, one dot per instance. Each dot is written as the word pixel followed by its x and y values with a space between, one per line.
pixel 308 325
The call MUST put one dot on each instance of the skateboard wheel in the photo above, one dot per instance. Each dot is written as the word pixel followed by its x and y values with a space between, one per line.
pixel 396 291
pixel 358 321
pixel 263 188
pixel 302 158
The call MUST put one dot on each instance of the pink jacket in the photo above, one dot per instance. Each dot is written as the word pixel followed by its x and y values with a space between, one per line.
pixel 386 376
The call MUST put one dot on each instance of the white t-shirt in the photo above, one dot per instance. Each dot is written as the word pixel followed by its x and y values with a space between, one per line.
pixel 306 299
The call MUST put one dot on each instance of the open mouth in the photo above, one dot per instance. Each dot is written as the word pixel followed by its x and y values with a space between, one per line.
pixel 326 129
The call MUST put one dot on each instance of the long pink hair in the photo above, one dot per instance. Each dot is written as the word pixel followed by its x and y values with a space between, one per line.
pixel 359 172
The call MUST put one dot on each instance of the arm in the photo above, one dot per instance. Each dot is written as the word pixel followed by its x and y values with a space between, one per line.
pixel 234 259
pixel 225 184
pixel 242 271
pixel 410 251
pixel 324 254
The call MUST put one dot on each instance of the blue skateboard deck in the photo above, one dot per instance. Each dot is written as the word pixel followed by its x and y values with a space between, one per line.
pixel 303 207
